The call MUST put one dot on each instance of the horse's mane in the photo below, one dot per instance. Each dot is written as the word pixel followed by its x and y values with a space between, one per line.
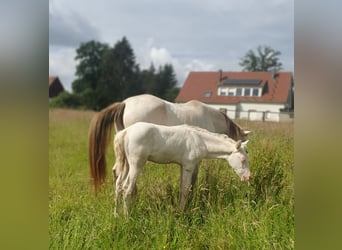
pixel 202 130
pixel 234 130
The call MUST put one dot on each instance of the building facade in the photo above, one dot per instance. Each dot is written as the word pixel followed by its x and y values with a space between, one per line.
pixel 265 96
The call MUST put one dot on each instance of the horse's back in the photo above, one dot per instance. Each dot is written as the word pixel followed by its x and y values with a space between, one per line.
pixel 149 108
pixel 144 108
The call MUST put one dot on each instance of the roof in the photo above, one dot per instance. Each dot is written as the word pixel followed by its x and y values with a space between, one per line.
pixel 198 84
pixel 52 79
pixel 55 86
pixel 240 82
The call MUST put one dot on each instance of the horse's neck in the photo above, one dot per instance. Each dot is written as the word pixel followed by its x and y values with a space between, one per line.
pixel 217 146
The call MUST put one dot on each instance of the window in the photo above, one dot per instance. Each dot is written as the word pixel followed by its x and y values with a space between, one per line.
pixel 239 91
pixel 231 92
pixel 207 94
pixel 247 91
pixel 222 92
pixel 255 92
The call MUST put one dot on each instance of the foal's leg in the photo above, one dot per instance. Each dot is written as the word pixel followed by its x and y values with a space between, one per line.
pixel 118 179
pixel 118 193
pixel 130 187
pixel 188 179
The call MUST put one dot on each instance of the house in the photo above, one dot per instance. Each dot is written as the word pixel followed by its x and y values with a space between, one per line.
pixel 266 96
pixel 55 86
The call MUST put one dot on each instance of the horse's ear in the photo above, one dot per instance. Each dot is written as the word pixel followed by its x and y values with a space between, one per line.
pixel 238 144
pixel 246 132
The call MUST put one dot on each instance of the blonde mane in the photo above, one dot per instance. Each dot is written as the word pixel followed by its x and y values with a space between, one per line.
pixel 202 130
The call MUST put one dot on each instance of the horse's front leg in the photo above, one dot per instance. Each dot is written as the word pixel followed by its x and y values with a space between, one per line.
pixel 188 179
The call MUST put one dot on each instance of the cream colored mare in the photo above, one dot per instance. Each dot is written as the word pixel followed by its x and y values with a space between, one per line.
pixel 148 108
pixel 185 145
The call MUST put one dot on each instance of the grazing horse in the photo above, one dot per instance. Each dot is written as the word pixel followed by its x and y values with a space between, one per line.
pixel 148 108
pixel 183 144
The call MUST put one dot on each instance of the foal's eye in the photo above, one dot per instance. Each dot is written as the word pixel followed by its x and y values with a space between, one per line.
pixel 246 151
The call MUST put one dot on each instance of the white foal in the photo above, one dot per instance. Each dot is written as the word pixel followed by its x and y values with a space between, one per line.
pixel 183 144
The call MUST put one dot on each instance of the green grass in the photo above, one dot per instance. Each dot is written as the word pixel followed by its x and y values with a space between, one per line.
pixel 224 213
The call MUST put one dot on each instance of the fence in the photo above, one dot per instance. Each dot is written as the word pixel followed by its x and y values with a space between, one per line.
pixel 254 115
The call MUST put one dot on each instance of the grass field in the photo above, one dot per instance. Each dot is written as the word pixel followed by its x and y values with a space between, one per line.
pixel 224 213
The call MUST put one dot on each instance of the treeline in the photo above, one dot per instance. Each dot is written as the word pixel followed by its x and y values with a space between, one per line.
pixel 107 74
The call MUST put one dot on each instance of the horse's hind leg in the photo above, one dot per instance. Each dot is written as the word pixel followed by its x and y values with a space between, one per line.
pixel 118 192
pixel 130 187
pixel 118 184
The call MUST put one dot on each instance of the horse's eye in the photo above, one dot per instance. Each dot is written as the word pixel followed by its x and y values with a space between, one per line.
pixel 246 151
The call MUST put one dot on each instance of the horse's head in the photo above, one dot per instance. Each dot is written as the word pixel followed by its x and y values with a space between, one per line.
pixel 238 160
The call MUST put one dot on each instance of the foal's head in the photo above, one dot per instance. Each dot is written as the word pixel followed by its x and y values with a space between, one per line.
pixel 238 160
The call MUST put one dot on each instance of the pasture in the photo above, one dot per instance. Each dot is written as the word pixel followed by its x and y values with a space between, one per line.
pixel 224 213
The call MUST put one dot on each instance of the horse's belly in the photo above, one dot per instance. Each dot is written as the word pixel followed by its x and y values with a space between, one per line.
pixel 163 159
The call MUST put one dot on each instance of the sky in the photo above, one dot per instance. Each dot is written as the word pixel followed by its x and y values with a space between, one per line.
pixel 192 35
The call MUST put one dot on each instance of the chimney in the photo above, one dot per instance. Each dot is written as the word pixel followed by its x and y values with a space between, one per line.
pixel 220 71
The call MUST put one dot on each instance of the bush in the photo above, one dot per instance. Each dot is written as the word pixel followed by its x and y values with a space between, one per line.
pixel 66 100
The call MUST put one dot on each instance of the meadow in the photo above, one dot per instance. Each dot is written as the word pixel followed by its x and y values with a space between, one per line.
pixel 224 213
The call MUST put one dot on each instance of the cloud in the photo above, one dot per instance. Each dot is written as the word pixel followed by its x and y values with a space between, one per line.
pixel 214 36
pixel 162 56
pixel 69 29
pixel 63 65
pixel 198 65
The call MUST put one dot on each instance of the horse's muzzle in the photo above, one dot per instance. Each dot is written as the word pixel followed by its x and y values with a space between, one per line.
pixel 245 177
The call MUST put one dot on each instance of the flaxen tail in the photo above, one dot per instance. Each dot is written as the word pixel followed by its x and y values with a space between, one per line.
pixel 121 164
pixel 99 133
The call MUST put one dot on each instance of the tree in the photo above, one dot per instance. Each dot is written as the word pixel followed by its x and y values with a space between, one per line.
pixel 119 74
pixel 166 81
pixel 148 79
pixel 88 71
pixel 107 74
pixel 265 59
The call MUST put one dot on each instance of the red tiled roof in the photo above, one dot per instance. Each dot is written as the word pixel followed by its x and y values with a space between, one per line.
pixel 199 83
pixel 52 79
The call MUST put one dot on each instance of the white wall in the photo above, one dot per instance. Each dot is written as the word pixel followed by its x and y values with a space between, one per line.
pixel 252 111
pixel 230 109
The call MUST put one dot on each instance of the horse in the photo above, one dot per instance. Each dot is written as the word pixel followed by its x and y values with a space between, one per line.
pixel 183 144
pixel 148 108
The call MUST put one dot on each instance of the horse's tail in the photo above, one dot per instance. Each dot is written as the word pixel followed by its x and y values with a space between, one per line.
pixel 121 166
pixel 99 132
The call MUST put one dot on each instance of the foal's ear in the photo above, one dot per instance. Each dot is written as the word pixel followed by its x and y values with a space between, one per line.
pixel 238 144
pixel 244 143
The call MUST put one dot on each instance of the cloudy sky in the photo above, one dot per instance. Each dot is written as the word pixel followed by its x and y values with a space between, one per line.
pixel 193 35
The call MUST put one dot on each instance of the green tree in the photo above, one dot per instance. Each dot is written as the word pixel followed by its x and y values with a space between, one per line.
pixel 166 81
pixel 265 59
pixel 148 79
pixel 88 71
pixel 107 74
pixel 119 75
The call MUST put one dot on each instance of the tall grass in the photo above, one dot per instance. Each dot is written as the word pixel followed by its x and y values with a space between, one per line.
pixel 224 213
